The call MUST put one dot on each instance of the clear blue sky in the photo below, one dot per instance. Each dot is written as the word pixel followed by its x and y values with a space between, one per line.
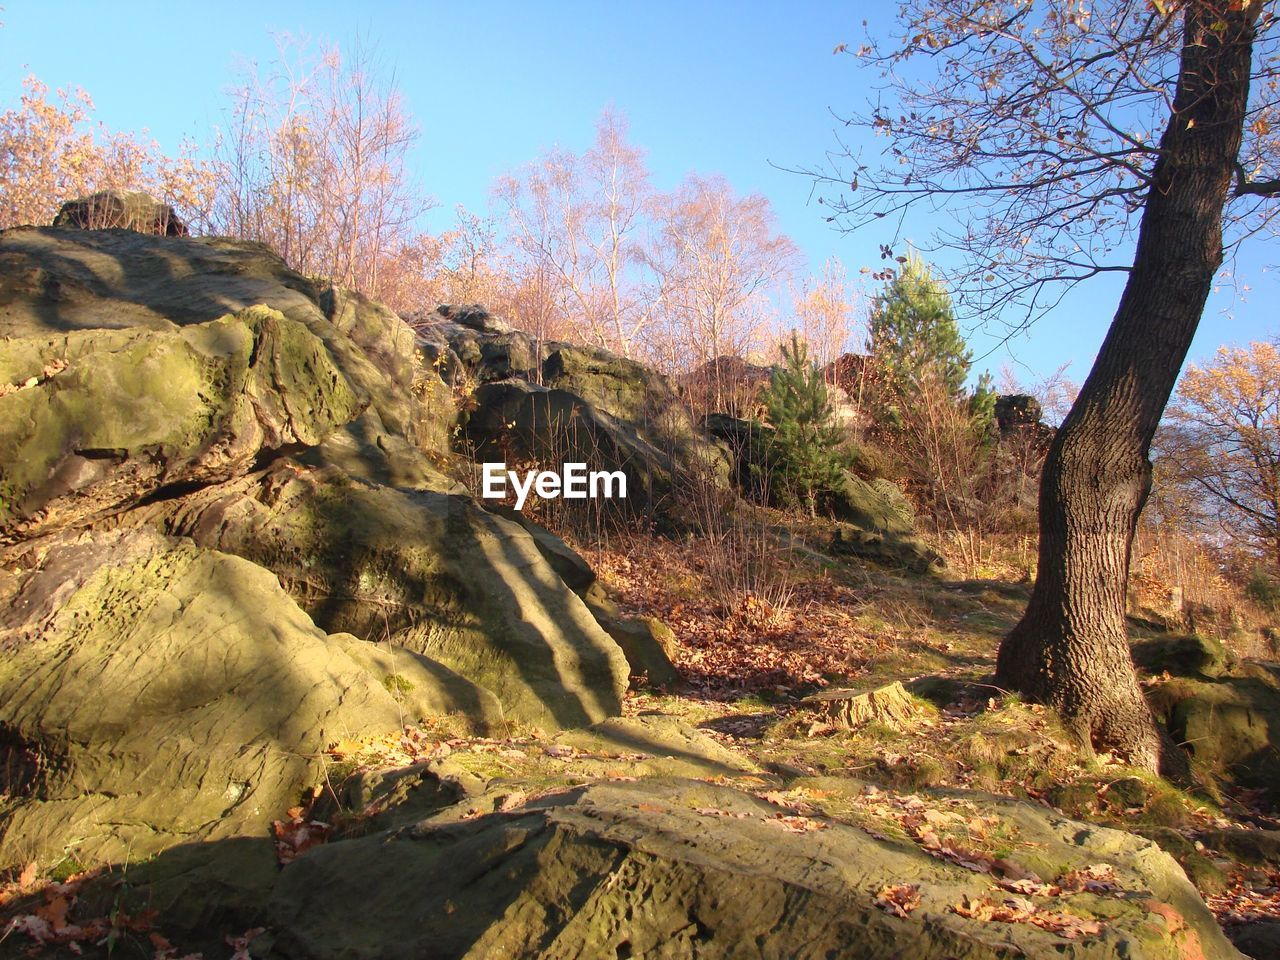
pixel 712 87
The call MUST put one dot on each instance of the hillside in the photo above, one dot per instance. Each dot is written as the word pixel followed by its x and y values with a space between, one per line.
pixel 278 683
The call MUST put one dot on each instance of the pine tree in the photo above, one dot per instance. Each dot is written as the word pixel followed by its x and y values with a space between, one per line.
pixel 803 454
pixel 913 330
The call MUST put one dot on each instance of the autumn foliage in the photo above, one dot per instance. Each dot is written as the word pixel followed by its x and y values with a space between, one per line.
pixel 1226 443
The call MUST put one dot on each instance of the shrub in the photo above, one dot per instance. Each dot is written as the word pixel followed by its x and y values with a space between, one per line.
pixel 804 454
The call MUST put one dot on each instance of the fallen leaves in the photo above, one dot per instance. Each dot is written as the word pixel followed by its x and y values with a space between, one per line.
pixel 50 369
pixel 752 647
pixel 240 944
pixel 899 900
pixel 1252 896
pixel 795 824
pixel 49 922
pixel 1021 910
pixel 26 882
pixel 297 834
pixel 729 814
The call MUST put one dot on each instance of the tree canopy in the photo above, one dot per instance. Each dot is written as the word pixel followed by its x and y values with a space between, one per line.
pixel 1034 129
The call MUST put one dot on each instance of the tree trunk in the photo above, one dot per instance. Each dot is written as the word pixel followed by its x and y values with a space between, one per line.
pixel 1071 648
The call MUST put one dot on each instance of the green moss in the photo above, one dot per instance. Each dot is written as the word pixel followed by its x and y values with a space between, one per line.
pixel 397 685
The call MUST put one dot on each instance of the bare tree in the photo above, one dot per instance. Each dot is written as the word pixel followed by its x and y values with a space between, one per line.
pixel 51 150
pixel 314 163
pixel 825 309
pixel 580 222
pixel 721 259
pixel 1064 135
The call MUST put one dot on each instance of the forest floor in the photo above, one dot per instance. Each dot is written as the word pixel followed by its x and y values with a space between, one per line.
pixel 751 666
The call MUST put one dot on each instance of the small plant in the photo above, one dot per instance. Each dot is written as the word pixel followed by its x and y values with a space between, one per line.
pixel 803 454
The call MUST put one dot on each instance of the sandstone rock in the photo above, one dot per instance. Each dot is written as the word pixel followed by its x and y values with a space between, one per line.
pixel 548 402
pixel 876 525
pixel 1230 724
pixel 684 868
pixel 57 282
pixel 100 420
pixel 911 553
pixel 154 692
pixel 432 572
pixel 518 421
pixel 121 210
pixel 727 383
pixel 648 645
pixel 564 560
pixel 1017 410
pixel 1183 655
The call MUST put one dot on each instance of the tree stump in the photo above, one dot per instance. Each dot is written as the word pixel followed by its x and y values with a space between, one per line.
pixel 850 709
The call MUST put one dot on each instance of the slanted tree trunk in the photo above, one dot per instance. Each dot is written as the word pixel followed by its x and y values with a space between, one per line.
pixel 1071 648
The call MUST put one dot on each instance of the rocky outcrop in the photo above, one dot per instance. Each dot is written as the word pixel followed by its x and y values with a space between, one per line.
pixel 685 868
pixel 121 210
pixel 213 500
pixel 432 572
pixel 876 524
pixel 153 692
pixel 1019 417
pixel 97 420
pixel 1229 724
pixel 229 573
pixel 550 402
pixel 726 383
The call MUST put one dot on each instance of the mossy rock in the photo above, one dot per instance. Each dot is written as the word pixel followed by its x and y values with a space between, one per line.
pixel 423 688
pixel 623 388
pixel 896 550
pixel 431 572
pixel 685 868
pixel 1230 725
pixel 518 421
pixel 648 645
pixel 59 282
pixel 657 746
pixel 1255 847
pixel 121 210
pixel 153 692
pixel 1201 871
pixel 553 402
pixel 111 417
pixel 567 562
pixel 1182 655
pixel 867 506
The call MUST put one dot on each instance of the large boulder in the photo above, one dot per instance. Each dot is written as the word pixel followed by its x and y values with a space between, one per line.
pixel 1020 418
pixel 1229 724
pixel 154 692
pixel 56 282
pixel 96 420
pixel 686 868
pixel 429 571
pixel 727 383
pixel 121 210
pixel 876 524
pixel 551 402
pixel 186 426
pixel 517 422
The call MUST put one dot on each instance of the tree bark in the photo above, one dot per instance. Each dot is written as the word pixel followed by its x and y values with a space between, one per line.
pixel 1071 648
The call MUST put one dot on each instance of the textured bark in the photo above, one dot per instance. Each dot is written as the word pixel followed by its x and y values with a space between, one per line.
pixel 1071 648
